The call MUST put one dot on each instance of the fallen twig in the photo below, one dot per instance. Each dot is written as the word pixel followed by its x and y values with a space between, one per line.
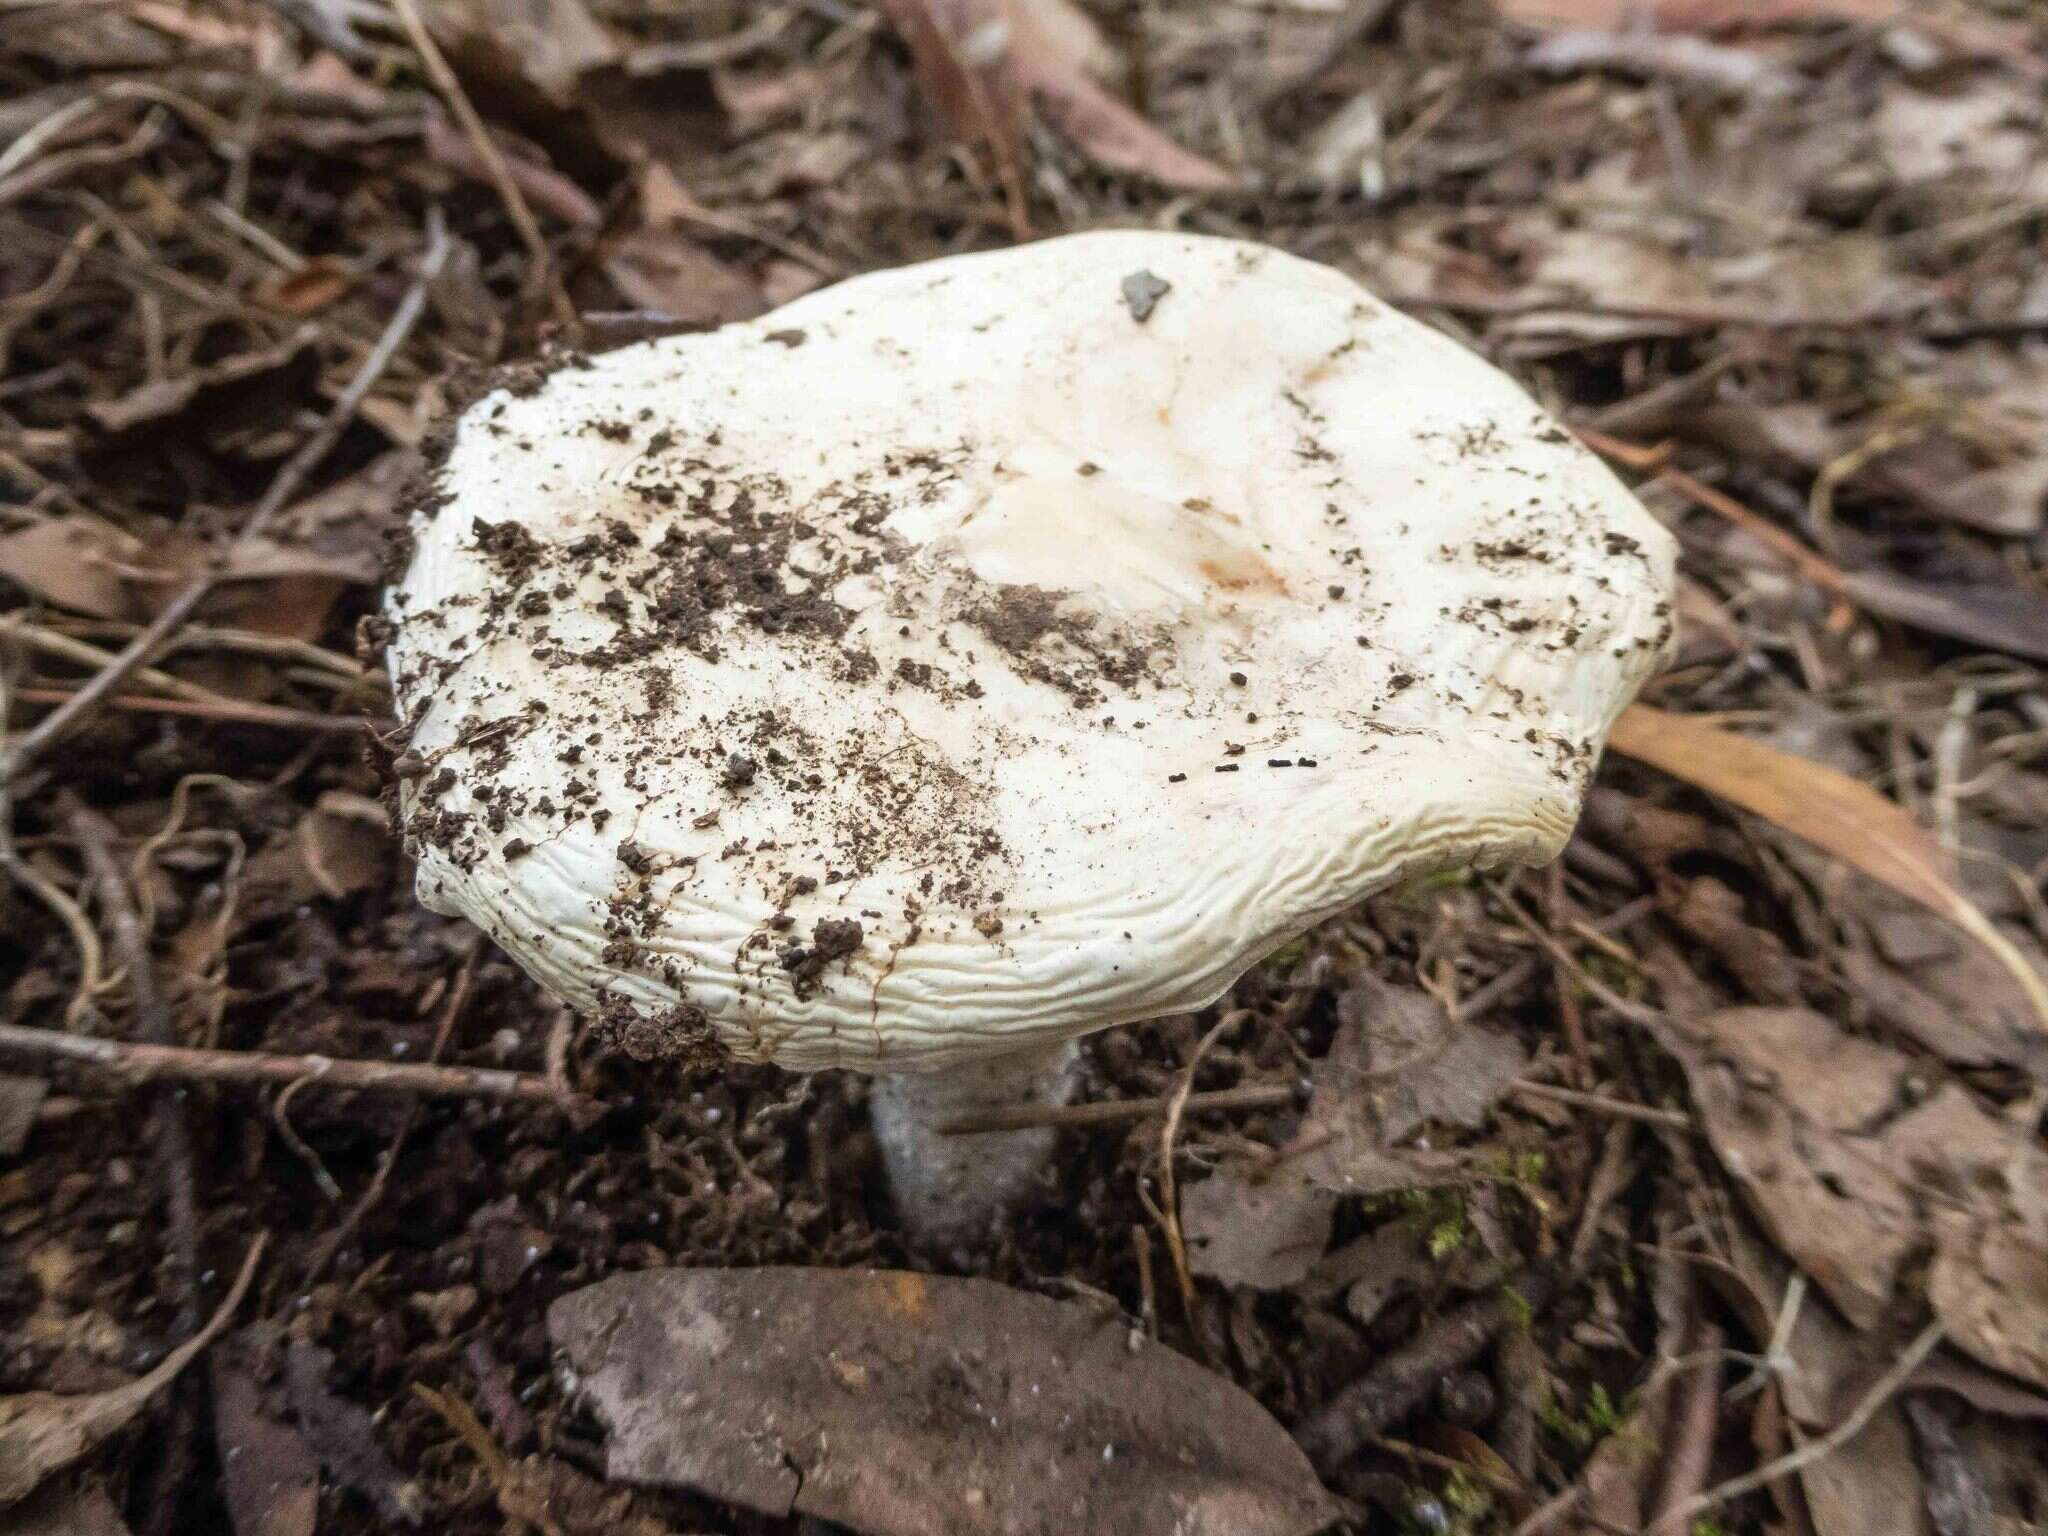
pixel 1400 1381
pixel 1260 1096
pixel 1695 1417
pixel 1880 1393
pixel 134 1064
pixel 1119 1111
pixel 457 101
pixel 1699 317
pixel 83 935
pixel 233 711
pixel 168 1127
pixel 1167 1210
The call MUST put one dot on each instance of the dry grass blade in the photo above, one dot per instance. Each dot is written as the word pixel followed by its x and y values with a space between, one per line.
pixel 1840 815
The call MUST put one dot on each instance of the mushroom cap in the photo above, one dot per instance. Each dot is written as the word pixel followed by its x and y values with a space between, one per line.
pixel 979 653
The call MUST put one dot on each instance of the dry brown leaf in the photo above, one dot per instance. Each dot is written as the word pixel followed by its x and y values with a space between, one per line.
pixel 268 1477
pixel 515 48
pixel 310 288
pixel 1809 1122
pixel 1871 1483
pixel 913 1405
pixel 1841 815
pixel 1396 1064
pixel 70 562
pixel 982 61
pixel 1266 1233
pixel 43 1432
pixel 79 1510
pixel 1783 1094
pixel 664 271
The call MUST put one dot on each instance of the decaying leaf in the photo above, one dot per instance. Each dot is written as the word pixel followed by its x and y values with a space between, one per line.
pixel 43 1432
pixel 1855 1163
pixel 1784 1095
pixel 1838 814
pixel 1396 1064
pixel 1266 1233
pixel 523 48
pixel 82 1509
pixel 1871 1483
pixel 911 1405
pixel 344 1437
pixel 19 1099
pixel 982 61
pixel 71 563
pixel 269 1478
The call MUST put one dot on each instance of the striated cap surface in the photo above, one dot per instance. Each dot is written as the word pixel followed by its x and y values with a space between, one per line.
pixel 983 652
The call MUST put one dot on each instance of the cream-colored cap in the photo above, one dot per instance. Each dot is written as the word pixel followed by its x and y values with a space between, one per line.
pixel 981 653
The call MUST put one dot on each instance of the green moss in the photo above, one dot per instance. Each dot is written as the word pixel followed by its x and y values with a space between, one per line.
pixel 1521 1316
pixel 1280 964
pixel 1469 1501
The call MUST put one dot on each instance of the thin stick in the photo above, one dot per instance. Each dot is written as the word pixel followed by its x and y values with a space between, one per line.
pixel 1399 1381
pixel 133 1064
pixel 1621 1109
pixel 138 652
pixel 1695 1419
pixel 83 935
pixel 54 643
pixel 168 1128
pixel 232 711
pixel 1167 1211
pixel 1260 1096
pixel 1636 1013
pixel 1117 1111
pixel 486 147
pixel 1697 316
pixel 1880 1393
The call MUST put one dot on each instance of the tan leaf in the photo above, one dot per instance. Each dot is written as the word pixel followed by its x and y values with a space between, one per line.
pixel 1843 816
pixel 314 286
pixel 981 61
pixel 44 1432
pixel 72 562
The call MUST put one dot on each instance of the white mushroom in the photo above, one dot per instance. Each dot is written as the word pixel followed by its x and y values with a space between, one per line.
pixel 971 656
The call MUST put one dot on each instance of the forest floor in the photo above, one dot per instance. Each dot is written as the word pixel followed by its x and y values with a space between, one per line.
pixel 1720 1201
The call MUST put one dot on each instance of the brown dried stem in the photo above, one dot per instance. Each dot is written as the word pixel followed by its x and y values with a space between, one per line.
pixel 168 1128
pixel 133 1064
pixel 1401 1381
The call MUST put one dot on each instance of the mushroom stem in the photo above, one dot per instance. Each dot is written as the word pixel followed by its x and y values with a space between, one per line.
pixel 953 1189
